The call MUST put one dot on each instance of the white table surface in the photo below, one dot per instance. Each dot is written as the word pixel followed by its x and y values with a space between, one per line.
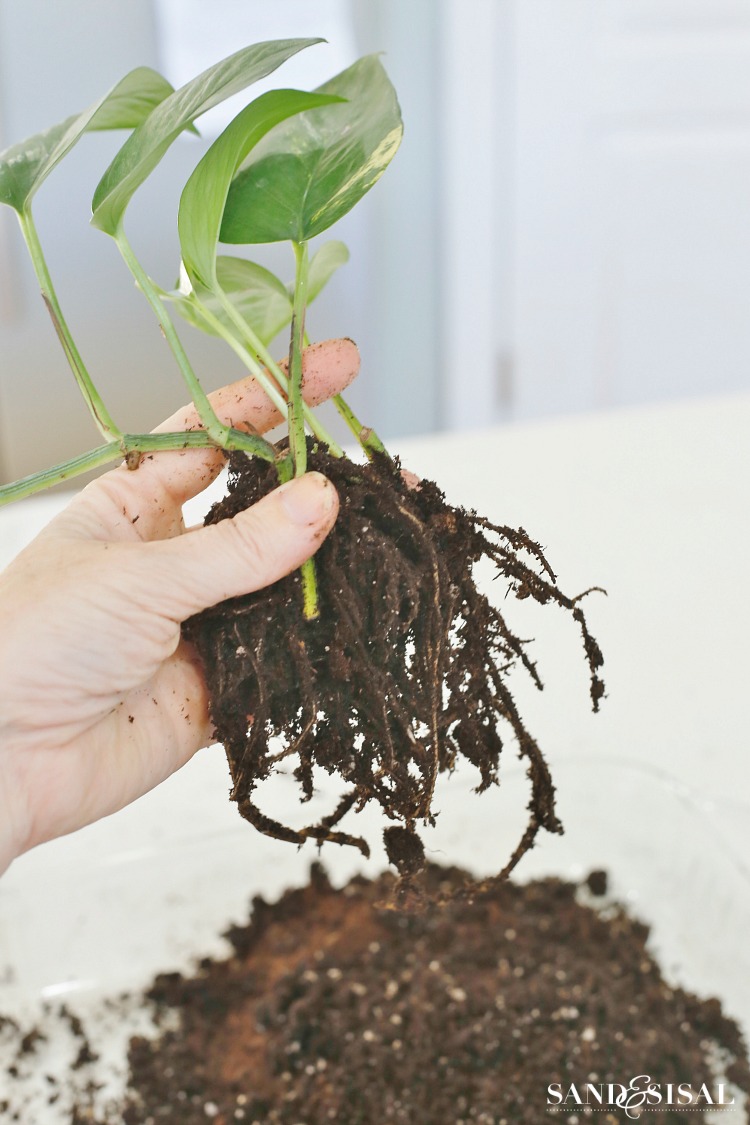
pixel 651 503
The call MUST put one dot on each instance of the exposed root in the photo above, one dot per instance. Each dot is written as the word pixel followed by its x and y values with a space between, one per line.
pixel 405 671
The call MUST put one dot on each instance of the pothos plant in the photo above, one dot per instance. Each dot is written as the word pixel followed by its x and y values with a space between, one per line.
pixel 380 663
pixel 314 173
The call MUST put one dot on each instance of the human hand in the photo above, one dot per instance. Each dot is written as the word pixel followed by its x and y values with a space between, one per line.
pixel 100 697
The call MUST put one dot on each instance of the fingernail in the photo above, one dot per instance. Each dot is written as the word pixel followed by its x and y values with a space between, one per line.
pixel 307 499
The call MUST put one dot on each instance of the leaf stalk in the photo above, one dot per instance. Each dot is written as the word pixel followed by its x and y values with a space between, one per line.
pixel 126 445
pixel 297 442
pixel 217 431
pixel 365 435
pixel 96 407
pixel 297 439
pixel 259 362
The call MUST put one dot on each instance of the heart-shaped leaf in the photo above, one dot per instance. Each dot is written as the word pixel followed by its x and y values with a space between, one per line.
pixel 204 196
pixel 144 149
pixel 262 301
pixel 256 293
pixel 309 172
pixel 24 167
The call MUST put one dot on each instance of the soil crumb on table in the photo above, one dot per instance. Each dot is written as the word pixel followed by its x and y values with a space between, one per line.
pixel 335 1008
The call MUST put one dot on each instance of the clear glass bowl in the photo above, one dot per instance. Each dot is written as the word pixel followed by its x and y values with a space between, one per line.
pixel 153 888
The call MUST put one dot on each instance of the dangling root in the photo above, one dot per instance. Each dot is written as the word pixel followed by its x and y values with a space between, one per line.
pixel 405 670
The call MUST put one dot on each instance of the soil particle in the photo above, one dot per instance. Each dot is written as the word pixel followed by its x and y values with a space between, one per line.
pixel 30 1041
pixel 597 883
pixel 334 1009
pixel 85 1054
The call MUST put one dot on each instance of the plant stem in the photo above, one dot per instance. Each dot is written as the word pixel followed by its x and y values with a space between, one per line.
pixel 264 357
pixel 255 368
pixel 27 486
pixel 297 440
pixel 97 409
pixel 130 443
pixel 198 439
pixel 310 608
pixel 216 430
pixel 258 370
pixel 366 436
pixel 310 604
pixel 284 469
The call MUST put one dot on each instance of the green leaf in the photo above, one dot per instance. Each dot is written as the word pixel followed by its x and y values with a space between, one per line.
pixel 145 148
pixel 309 172
pixel 204 196
pixel 25 166
pixel 257 294
pixel 323 265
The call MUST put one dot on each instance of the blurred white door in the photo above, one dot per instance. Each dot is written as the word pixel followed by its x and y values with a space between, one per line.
pixel 631 255
pixel 597 204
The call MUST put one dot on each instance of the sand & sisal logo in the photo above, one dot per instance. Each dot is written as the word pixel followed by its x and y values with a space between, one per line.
pixel 639 1096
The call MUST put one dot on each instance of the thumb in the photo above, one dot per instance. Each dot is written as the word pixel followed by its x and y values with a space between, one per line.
pixel 243 554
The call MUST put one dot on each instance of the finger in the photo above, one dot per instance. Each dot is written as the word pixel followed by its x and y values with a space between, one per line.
pixel 239 555
pixel 327 368
pixel 147 503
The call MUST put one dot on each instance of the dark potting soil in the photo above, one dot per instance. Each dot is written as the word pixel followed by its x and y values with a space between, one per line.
pixel 405 670
pixel 335 1008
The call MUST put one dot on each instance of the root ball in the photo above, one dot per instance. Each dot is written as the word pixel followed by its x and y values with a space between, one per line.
pixel 404 672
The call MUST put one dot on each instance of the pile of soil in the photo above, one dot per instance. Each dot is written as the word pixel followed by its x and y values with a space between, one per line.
pixel 336 1008
pixel 405 670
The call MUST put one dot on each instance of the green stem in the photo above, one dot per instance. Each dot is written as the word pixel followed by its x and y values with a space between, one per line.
pixel 130 444
pixel 366 436
pixel 297 440
pixel 198 439
pixel 216 430
pixel 259 349
pixel 27 486
pixel 253 366
pixel 97 409
pixel 285 471
pixel 310 604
